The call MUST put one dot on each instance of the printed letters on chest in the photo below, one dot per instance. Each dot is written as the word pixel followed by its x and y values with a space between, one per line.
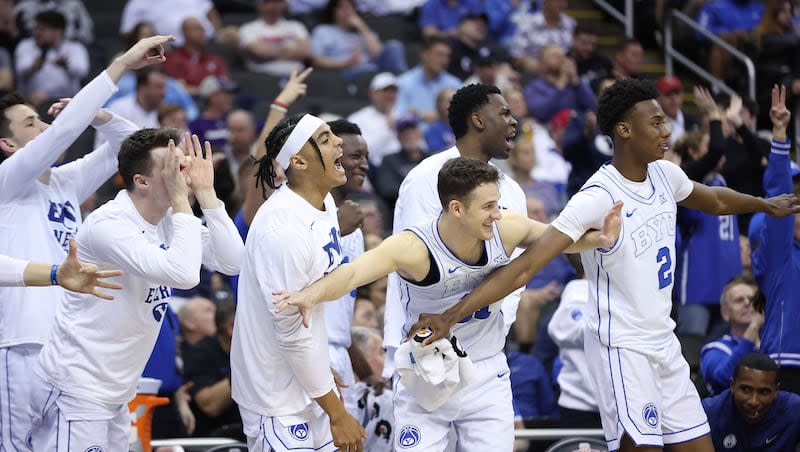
pixel 652 231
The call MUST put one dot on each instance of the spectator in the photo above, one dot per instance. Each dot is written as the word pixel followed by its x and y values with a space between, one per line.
pixel 9 33
pixel 577 404
pixel 168 16
pixel 211 125
pixel 439 135
pixel 173 116
pixel 491 67
pixel 141 108
pixel 469 39
pixel 196 318
pixel 776 255
pixel 272 44
pixel 592 66
pixel 241 129
pixel 48 65
pixel 376 121
pixel 440 18
pixel 389 7
pixel 670 97
pixel 535 31
pixel 718 358
pixel 548 143
pixel 396 166
pixel 628 59
pixel 522 161
pixel 192 63
pixel 777 54
pixel 558 87
pixel 79 24
pixel 365 315
pixel 370 342
pixel 754 413
pixel 207 365
pixel 531 389
pixel 731 20
pixel 6 71
pixel 375 404
pixel 344 41
pixel 584 148
pixel 418 87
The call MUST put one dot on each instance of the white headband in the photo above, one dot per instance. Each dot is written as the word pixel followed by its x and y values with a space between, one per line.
pixel 302 132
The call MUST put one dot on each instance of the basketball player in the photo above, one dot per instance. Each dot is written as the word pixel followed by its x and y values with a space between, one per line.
pixel 484 129
pixel 439 262
pixel 70 274
pixel 346 360
pixel 40 208
pixel 88 369
pixel 280 369
pixel 644 393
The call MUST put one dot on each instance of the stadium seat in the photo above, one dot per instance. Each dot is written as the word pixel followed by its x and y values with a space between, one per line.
pixel 574 445
pixel 239 447
pixel 263 86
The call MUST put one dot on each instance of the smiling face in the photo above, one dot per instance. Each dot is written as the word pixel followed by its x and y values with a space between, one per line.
pixel 479 210
pixel 328 171
pixel 647 130
pixel 355 161
pixel 500 127
pixel 753 392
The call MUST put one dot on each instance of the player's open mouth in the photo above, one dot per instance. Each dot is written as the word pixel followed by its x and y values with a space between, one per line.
pixel 338 163
pixel 664 146
pixel 510 138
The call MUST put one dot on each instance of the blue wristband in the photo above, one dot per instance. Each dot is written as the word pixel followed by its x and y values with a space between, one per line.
pixel 54 275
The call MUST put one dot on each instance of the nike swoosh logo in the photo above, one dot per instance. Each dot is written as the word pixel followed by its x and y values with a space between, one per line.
pixel 771 439
pixel 630 214
pixel 502 374
pixel 451 270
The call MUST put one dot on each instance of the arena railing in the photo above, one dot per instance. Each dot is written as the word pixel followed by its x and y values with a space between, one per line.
pixel 624 17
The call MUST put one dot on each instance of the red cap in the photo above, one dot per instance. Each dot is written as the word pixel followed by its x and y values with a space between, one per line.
pixel 668 84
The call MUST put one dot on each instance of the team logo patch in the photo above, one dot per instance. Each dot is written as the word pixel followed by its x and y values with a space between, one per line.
pixel 729 442
pixel 299 431
pixel 576 314
pixel 650 414
pixel 159 310
pixel 94 449
pixel 409 436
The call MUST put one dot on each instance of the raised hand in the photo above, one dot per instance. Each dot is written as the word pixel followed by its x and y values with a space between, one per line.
pixel 734 111
pixel 778 113
pixel 300 300
pixel 85 278
pixel 705 102
pixel 199 168
pixel 146 52
pixel 782 205
pixel 175 180
pixel 350 217
pixel 295 88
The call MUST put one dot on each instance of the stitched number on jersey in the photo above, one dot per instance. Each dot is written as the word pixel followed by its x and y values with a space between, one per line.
pixel 481 314
pixel 665 271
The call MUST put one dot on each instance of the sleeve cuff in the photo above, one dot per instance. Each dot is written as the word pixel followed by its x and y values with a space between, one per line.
pixel 107 80
pixel 781 147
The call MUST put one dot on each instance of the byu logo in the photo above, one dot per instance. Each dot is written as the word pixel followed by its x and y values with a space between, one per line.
pixel 62 213
pixel 729 442
pixel 576 314
pixel 653 230
pixel 409 436
pixel 650 414
pixel 94 449
pixel 333 246
pixel 159 311
pixel 299 432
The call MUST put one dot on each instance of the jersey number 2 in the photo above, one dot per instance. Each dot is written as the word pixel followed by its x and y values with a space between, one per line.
pixel 665 271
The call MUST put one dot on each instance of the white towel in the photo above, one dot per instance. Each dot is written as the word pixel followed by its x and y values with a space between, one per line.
pixel 433 373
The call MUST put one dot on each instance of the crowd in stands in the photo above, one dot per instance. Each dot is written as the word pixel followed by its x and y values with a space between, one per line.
pixel 222 77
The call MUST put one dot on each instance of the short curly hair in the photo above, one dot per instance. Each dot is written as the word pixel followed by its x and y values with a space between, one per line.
pixel 466 101
pixel 618 99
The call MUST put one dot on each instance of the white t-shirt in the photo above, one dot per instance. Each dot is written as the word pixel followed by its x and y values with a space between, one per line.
pixel 12 271
pixel 128 108
pixel 281 32
pixel 417 204
pixel 39 217
pixel 630 285
pixel 378 132
pixel 166 17
pixel 566 329
pixel 277 365
pixel 98 349
pixel 339 313
pixel 51 78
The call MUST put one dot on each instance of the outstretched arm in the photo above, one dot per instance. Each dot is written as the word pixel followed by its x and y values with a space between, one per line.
pixel 397 252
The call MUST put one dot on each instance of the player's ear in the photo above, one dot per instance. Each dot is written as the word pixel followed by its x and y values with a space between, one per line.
pixel 140 181
pixel 477 121
pixel 7 146
pixel 623 129
pixel 297 161
pixel 455 207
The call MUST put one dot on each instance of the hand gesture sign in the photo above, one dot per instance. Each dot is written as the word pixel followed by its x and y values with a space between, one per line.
pixel 86 278
pixel 778 112
pixel 146 52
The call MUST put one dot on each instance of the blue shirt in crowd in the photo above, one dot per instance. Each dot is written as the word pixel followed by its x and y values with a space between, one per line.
pixel 718 360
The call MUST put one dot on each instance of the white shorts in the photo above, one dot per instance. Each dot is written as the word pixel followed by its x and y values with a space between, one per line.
pixel 481 415
pixel 64 423
pixel 648 397
pixel 306 431
pixel 340 362
pixel 16 364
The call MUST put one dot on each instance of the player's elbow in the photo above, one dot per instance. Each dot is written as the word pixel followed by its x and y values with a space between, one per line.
pixel 186 281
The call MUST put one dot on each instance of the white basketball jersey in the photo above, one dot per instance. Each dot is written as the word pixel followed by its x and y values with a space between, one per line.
pixel 481 333
pixel 339 313
pixel 630 285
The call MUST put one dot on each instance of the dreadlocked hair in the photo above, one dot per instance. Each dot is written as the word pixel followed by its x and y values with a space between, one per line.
pixel 265 176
